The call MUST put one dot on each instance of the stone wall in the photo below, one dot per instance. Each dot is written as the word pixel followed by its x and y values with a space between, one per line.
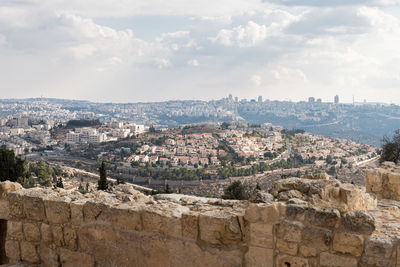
pixel 126 228
pixel 384 182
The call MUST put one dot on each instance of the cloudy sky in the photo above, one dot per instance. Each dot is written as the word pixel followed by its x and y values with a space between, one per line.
pixel 152 50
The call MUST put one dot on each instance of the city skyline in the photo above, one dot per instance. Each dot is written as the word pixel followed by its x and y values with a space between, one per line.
pixel 147 52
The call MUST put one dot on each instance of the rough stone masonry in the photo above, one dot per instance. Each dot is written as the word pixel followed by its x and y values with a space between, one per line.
pixel 310 222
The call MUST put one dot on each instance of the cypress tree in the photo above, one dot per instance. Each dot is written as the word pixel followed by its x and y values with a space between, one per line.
pixel 102 184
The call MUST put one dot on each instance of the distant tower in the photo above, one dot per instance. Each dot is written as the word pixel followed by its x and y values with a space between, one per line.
pixel 311 100
pixel 260 99
pixel 336 99
pixel 230 96
pixel 236 99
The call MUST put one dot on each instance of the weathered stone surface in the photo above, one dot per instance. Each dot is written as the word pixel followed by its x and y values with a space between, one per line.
pixel 296 212
pixel 77 212
pixel 331 260
pixel 376 262
pixel 16 206
pixel 13 250
pixel 46 233
pixel 316 237
pixel 29 253
pixel 164 224
pixel 4 210
pixel 271 213
pixel 31 232
pixel 223 230
pixel 253 213
pixel 7 187
pixel 287 247
pixel 126 218
pixel 307 251
pixel 190 224
pixel 70 237
pixel 290 231
pixel 358 222
pixel 348 243
pixel 379 247
pixel 58 236
pixel 285 260
pixel 261 235
pixel 34 208
pixel 91 210
pixel 57 211
pixel 261 197
pixel 323 217
pixel 259 257
pixel 70 258
pixel 383 183
pixel 14 230
pixel 48 257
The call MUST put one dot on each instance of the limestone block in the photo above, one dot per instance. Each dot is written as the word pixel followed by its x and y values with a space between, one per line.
pixel 95 235
pixel 57 211
pixel 220 230
pixel 31 232
pixel 14 230
pixel 34 208
pixel 394 179
pixel 285 260
pixel 380 247
pixel 29 253
pixel 48 256
pixel 253 213
pixel 4 210
pixel 307 251
pixel 286 247
pixel 358 222
pixel 272 212
pixel 348 243
pixel 261 235
pixel 7 187
pixel 373 181
pixel 190 226
pixel 296 212
pixel 46 233
pixel 16 206
pixel 76 213
pixel 12 250
pixel 70 237
pixel 58 235
pixel 123 217
pixel 323 217
pixel 290 231
pixel 259 257
pixel 164 224
pixel 92 210
pixel 318 238
pixel 70 258
pixel 376 262
pixel 332 260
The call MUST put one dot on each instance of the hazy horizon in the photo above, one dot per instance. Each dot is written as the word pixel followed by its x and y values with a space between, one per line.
pixel 150 51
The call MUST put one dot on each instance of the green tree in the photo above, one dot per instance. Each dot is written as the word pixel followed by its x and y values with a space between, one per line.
pixel 7 165
pixel 60 183
pixel 391 148
pixel 102 184
pixel 235 191
pixel 44 174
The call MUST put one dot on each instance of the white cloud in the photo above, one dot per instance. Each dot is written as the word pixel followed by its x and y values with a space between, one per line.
pixel 193 63
pixel 247 48
pixel 242 36
pixel 255 80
